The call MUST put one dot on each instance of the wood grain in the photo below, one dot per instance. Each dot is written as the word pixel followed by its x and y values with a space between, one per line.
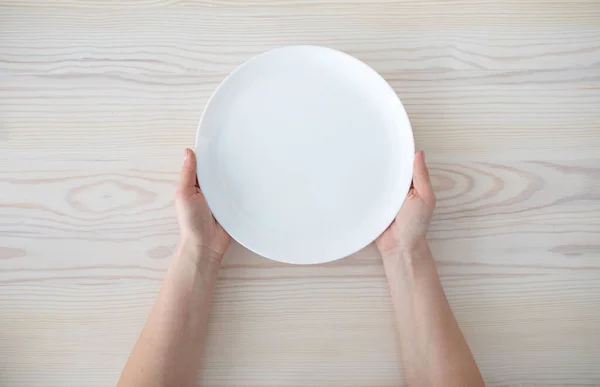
pixel 98 99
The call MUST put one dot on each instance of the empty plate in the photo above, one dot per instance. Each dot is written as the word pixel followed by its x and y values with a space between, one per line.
pixel 305 154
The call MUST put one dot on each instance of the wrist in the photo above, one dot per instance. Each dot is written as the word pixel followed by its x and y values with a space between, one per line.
pixel 406 257
pixel 407 251
pixel 202 257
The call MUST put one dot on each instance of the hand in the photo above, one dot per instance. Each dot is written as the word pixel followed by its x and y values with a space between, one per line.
pixel 408 231
pixel 198 227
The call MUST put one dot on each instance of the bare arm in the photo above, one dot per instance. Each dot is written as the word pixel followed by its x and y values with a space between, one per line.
pixel 433 348
pixel 169 348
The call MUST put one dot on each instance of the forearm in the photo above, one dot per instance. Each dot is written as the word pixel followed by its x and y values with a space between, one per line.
pixel 433 348
pixel 169 348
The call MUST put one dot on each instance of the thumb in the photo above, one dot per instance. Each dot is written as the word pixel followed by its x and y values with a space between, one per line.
pixel 187 178
pixel 421 179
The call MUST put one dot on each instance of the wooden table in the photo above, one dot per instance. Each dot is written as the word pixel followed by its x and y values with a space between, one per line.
pixel 98 98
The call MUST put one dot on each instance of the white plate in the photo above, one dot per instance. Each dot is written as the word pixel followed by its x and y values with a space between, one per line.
pixel 305 154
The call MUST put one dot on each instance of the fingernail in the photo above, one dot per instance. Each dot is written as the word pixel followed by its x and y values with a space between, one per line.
pixel 186 152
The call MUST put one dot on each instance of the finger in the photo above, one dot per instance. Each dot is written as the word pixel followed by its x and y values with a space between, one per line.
pixel 421 180
pixel 187 177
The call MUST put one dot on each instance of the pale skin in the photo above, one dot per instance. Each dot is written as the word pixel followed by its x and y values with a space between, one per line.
pixel 433 348
pixel 168 352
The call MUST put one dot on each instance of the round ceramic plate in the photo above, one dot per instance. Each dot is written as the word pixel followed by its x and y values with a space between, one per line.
pixel 305 154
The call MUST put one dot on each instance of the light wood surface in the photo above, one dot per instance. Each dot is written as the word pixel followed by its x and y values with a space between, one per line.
pixel 99 98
